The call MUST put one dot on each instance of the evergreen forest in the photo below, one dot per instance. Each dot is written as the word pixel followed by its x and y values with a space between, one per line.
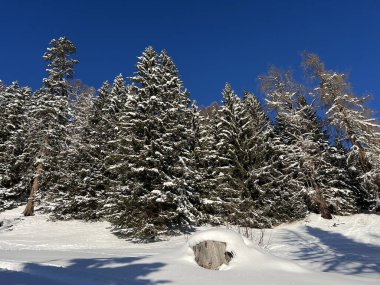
pixel 139 153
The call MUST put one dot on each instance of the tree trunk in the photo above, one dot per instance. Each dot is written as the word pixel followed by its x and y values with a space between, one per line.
pixel 323 208
pixel 29 209
pixel 325 212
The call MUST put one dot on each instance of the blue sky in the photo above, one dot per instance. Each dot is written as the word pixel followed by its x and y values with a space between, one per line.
pixel 211 42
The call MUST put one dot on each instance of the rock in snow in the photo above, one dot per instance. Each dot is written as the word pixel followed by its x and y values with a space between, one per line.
pixel 215 247
pixel 211 254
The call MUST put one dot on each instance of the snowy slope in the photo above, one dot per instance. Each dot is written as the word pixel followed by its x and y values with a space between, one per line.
pixel 34 250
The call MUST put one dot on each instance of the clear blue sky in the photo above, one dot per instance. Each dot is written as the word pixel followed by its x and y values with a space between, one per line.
pixel 210 41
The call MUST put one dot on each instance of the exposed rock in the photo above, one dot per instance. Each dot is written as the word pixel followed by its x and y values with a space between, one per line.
pixel 211 254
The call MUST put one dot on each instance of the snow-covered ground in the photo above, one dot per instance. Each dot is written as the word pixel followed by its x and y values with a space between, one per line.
pixel 33 250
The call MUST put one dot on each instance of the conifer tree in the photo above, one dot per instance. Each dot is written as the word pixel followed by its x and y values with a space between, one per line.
pixel 144 157
pixel 96 142
pixel 155 194
pixel 297 152
pixel 206 156
pixel 242 128
pixel 49 115
pixel 13 158
pixel 81 194
pixel 231 172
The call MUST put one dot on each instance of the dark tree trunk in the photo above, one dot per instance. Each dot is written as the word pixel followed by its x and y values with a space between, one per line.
pixel 323 208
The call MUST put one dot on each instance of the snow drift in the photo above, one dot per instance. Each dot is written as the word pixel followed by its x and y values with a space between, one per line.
pixel 35 250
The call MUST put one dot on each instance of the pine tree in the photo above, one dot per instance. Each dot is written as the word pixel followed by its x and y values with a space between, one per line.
pixel 339 181
pixel 49 117
pixel 13 158
pixel 92 150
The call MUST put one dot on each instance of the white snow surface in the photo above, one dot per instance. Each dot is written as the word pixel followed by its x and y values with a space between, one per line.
pixel 235 243
pixel 34 250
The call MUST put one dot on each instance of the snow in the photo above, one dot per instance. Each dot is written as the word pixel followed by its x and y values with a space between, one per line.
pixel 206 201
pixel 235 242
pixel 35 250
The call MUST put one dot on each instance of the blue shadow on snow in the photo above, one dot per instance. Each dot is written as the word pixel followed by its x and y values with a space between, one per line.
pixel 338 253
pixel 93 271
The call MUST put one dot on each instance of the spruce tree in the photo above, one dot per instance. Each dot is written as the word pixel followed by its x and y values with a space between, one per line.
pixel 206 156
pixel 81 194
pixel 242 128
pixel 155 194
pixel 330 167
pixel 13 158
pixel 91 181
pixel 231 172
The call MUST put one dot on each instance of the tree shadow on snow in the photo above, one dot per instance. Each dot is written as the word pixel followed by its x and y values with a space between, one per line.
pixel 337 253
pixel 94 271
pixel 21 278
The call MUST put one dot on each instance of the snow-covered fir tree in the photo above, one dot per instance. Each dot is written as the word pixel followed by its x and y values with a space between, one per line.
pixel 206 157
pixel 112 110
pixel 83 194
pixel 92 149
pixel 241 129
pixel 330 168
pixel 155 194
pixel 13 158
pixel 230 164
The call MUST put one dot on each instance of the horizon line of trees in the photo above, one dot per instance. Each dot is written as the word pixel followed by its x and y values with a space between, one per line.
pixel 141 155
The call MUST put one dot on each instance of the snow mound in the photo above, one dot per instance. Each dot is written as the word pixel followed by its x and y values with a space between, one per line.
pixel 235 242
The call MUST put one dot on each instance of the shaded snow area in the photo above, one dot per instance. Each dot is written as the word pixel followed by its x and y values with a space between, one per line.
pixel 34 250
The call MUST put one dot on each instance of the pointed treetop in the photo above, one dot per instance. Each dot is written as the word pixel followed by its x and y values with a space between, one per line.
pixel 59 61
pixel 119 86
pixel 229 95
pixel 147 74
pixel 147 58
pixel 104 88
pixel 168 63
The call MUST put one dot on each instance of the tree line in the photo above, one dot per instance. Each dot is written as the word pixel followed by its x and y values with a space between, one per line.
pixel 142 155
